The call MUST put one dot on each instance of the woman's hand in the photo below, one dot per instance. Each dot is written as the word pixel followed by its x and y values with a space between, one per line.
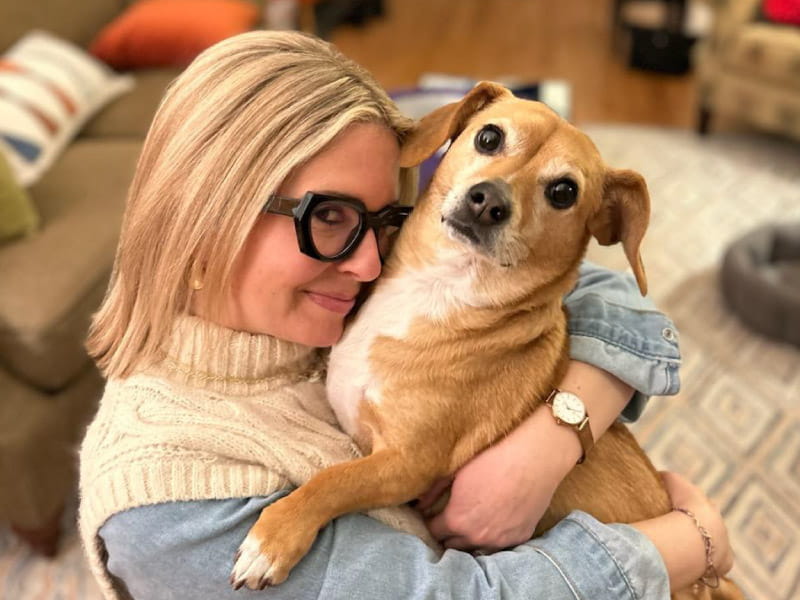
pixel 677 538
pixel 498 497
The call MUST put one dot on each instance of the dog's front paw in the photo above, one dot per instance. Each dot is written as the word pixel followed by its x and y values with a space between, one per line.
pixel 252 567
pixel 273 547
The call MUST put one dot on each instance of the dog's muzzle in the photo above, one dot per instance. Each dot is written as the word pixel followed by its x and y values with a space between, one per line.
pixel 482 211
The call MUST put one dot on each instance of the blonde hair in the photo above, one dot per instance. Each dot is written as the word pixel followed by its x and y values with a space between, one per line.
pixel 228 132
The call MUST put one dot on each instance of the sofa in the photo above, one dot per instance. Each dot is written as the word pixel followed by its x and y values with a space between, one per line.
pixel 52 281
pixel 748 70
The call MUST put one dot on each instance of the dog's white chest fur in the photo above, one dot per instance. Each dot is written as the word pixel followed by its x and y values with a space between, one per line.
pixel 432 292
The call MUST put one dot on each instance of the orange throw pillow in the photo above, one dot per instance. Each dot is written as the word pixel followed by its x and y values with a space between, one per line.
pixel 157 33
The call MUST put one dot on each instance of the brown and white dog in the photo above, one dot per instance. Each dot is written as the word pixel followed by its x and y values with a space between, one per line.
pixel 465 334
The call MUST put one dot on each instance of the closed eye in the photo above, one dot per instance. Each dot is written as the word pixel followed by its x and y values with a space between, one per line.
pixel 329 216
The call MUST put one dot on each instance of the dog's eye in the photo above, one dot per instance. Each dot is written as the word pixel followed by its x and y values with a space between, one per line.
pixel 489 139
pixel 562 193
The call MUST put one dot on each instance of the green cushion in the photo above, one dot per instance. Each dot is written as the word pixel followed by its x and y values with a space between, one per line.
pixel 18 215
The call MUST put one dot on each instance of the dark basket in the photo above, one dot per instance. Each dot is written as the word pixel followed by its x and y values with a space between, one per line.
pixel 660 50
pixel 761 280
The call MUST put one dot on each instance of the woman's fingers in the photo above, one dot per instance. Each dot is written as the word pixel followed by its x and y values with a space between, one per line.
pixel 440 527
pixel 430 497
pixel 681 491
pixel 463 543
pixel 457 542
pixel 673 480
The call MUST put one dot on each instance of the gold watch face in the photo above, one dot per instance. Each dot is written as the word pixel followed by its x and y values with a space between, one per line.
pixel 569 408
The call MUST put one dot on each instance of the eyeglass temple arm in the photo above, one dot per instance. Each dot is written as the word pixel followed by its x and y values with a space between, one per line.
pixel 399 214
pixel 280 205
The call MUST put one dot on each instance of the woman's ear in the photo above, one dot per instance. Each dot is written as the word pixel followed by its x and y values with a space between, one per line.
pixel 447 122
pixel 623 216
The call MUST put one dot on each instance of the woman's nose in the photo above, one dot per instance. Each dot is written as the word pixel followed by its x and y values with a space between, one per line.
pixel 365 262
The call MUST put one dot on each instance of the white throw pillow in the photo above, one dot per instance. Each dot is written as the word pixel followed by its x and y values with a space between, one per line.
pixel 48 89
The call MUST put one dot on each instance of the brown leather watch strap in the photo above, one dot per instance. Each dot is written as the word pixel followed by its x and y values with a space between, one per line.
pixel 586 437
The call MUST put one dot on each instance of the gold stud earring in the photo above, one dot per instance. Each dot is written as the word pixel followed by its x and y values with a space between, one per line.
pixel 196 277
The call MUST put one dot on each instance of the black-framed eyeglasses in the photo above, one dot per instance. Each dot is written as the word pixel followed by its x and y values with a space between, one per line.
pixel 331 227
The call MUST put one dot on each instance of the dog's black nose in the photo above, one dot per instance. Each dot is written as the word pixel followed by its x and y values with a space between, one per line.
pixel 487 204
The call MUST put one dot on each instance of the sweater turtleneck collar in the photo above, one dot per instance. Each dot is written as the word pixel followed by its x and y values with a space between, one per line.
pixel 203 354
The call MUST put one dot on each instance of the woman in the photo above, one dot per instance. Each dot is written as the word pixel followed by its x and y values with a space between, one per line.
pixel 210 337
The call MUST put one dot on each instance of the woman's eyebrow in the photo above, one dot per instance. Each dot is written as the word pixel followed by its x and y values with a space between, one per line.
pixel 394 202
pixel 336 193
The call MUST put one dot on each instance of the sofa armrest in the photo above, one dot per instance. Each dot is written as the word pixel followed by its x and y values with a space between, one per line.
pixel 729 17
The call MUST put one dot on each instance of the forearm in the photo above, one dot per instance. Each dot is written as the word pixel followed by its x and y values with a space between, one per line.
pixel 619 344
pixel 613 327
pixel 680 545
pixel 604 396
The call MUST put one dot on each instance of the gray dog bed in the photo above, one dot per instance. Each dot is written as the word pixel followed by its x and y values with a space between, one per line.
pixel 761 281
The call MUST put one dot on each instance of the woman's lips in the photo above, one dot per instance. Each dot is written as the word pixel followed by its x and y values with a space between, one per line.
pixel 338 305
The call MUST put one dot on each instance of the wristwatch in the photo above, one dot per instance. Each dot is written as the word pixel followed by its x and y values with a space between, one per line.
pixel 568 409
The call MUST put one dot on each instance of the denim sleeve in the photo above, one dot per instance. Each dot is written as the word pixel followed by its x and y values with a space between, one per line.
pixel 185 550
pixel 614 327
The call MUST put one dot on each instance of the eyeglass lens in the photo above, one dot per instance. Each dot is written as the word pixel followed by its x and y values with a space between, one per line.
pixel 334 226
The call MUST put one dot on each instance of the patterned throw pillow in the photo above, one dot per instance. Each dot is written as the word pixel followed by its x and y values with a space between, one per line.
pixel 18 215
pixel 48 89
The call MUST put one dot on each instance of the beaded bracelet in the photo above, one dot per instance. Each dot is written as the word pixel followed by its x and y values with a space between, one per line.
pixel 710 577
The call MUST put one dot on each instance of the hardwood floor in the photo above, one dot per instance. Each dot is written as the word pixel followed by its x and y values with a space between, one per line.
pixel 529 39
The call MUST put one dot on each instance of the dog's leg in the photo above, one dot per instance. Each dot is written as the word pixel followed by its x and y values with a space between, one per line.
pixel 727 590
pixel 286 529
pixel 695 592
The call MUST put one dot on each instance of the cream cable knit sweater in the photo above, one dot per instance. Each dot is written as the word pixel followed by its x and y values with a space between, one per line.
pixel 225 414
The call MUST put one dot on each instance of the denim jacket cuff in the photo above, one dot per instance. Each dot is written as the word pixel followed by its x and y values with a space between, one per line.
pixel 621 562
pixel 640 347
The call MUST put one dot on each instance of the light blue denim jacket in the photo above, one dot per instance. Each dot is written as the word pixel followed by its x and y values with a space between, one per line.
pixel 614 327
pixel 184 550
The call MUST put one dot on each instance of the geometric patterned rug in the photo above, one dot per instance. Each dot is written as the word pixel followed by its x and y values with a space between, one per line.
pixel 24 576
pixel 735 427
pixel 735 430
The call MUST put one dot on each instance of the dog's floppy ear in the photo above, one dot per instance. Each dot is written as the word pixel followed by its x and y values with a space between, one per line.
pixel 623 217
pixel 447 122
